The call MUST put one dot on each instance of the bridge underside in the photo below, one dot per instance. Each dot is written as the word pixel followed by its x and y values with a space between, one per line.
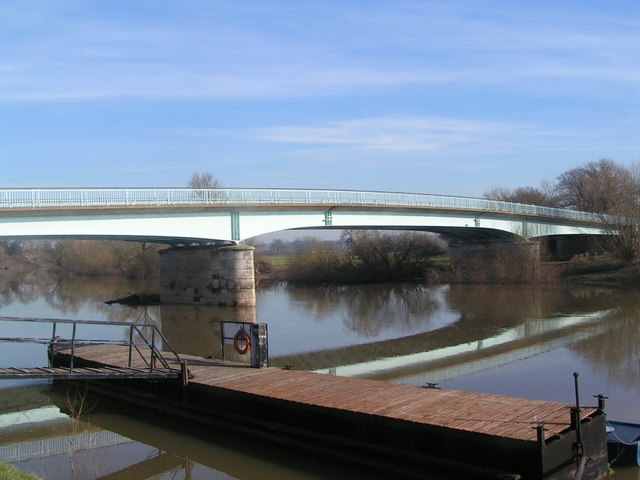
pixel 453 234
pixel 164 240
pixel 188 226
pixel 565 247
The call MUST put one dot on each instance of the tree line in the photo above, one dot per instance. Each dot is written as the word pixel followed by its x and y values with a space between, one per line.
pixel 604 187
pixel 83 257
pixel 366 256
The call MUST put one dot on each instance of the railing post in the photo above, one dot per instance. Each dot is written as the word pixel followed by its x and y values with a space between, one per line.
pixel 73 347
pixel 222 324
pixel 130 344
pixel 184 373
pixel 152 364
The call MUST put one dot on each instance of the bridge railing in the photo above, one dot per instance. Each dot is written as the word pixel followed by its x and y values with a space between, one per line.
pixel 113 197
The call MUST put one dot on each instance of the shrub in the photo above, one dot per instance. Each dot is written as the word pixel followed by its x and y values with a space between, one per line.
pixel 9 472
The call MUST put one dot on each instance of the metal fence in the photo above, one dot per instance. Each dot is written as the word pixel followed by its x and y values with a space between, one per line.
pixel 142 339
pixel 129 197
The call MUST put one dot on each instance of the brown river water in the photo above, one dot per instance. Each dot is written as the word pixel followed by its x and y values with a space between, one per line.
pixel 523 341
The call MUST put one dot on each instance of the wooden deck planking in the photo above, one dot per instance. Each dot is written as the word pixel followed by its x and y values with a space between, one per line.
pixel 392 403
pixel 492 415
pixel 374 404
pixel 217 376
pixel 460 413
pixel 327 396
pixel 407 408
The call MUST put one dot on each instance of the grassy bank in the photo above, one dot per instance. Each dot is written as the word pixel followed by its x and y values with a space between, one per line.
pixel 9 472
pixel 600 271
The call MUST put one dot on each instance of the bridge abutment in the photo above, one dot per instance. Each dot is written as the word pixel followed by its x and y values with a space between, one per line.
pixel 496 261
pixel 208 275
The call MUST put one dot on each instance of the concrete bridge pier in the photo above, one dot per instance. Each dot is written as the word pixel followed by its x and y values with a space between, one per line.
pixel 501 261
pixel 208 275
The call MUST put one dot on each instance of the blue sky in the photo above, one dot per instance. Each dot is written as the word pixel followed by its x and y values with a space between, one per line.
pixel 450 97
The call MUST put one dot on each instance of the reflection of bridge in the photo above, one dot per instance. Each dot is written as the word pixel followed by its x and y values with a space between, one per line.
pixel 60 445
pixel 451 351
pixel 187 215
pixel 41 440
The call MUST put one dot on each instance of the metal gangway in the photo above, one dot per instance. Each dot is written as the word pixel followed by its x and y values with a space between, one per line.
pixel 145 359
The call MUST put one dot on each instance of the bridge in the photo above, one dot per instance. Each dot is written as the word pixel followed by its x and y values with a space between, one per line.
pixel 207 225
pixel 197 216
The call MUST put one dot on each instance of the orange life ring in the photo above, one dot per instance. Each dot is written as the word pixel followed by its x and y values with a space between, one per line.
pixel 239 338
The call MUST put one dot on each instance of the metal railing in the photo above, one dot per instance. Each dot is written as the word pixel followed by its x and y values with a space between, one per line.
pixel 143 344
pixel 130 197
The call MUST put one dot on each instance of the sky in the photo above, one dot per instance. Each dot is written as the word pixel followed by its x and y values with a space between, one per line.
pixel 443 97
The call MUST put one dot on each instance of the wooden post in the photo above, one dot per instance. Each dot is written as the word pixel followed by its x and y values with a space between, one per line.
pixel 259 345
pixel 184 372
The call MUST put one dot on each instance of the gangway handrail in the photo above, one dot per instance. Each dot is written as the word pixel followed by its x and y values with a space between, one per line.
pixel 155 353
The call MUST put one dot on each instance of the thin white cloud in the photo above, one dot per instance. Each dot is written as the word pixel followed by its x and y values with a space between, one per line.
pixel 393 134
pixel 405 139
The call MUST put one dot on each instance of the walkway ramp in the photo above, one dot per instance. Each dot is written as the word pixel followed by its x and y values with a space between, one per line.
pixel 64 373
pixel 146 352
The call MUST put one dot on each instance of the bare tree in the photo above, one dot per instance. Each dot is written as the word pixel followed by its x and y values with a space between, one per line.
pixel 277 246
pixel 205 187
pixel 600 187
pixel 605 188
pixel 392 256
pixel 623 237
pixel 544 196
pixel 613 193
pixel 203 180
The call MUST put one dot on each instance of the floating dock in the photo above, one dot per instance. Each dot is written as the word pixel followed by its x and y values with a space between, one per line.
pixel 403 430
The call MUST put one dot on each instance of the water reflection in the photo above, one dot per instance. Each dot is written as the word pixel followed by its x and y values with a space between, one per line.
pixel 614 352
pixel 478 317
pixel 116 442
pixel 402 332
pixel 71 297
pixel 21 289
pixel 197 330
pixel 363 326
pixel 370 309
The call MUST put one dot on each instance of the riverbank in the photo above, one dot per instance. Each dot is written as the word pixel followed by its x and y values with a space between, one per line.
pixel 9 472
pixel 581 270
pixel 597 272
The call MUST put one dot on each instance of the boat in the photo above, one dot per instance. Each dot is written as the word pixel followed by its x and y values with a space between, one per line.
pixel 623 441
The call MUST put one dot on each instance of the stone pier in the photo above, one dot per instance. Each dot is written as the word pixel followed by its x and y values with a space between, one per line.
pixel 496 261
pixel 208 275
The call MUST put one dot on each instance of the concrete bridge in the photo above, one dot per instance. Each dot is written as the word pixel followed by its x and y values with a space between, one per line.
pixel 204 226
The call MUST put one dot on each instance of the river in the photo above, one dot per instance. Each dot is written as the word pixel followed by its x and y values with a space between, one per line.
pixel 515 340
